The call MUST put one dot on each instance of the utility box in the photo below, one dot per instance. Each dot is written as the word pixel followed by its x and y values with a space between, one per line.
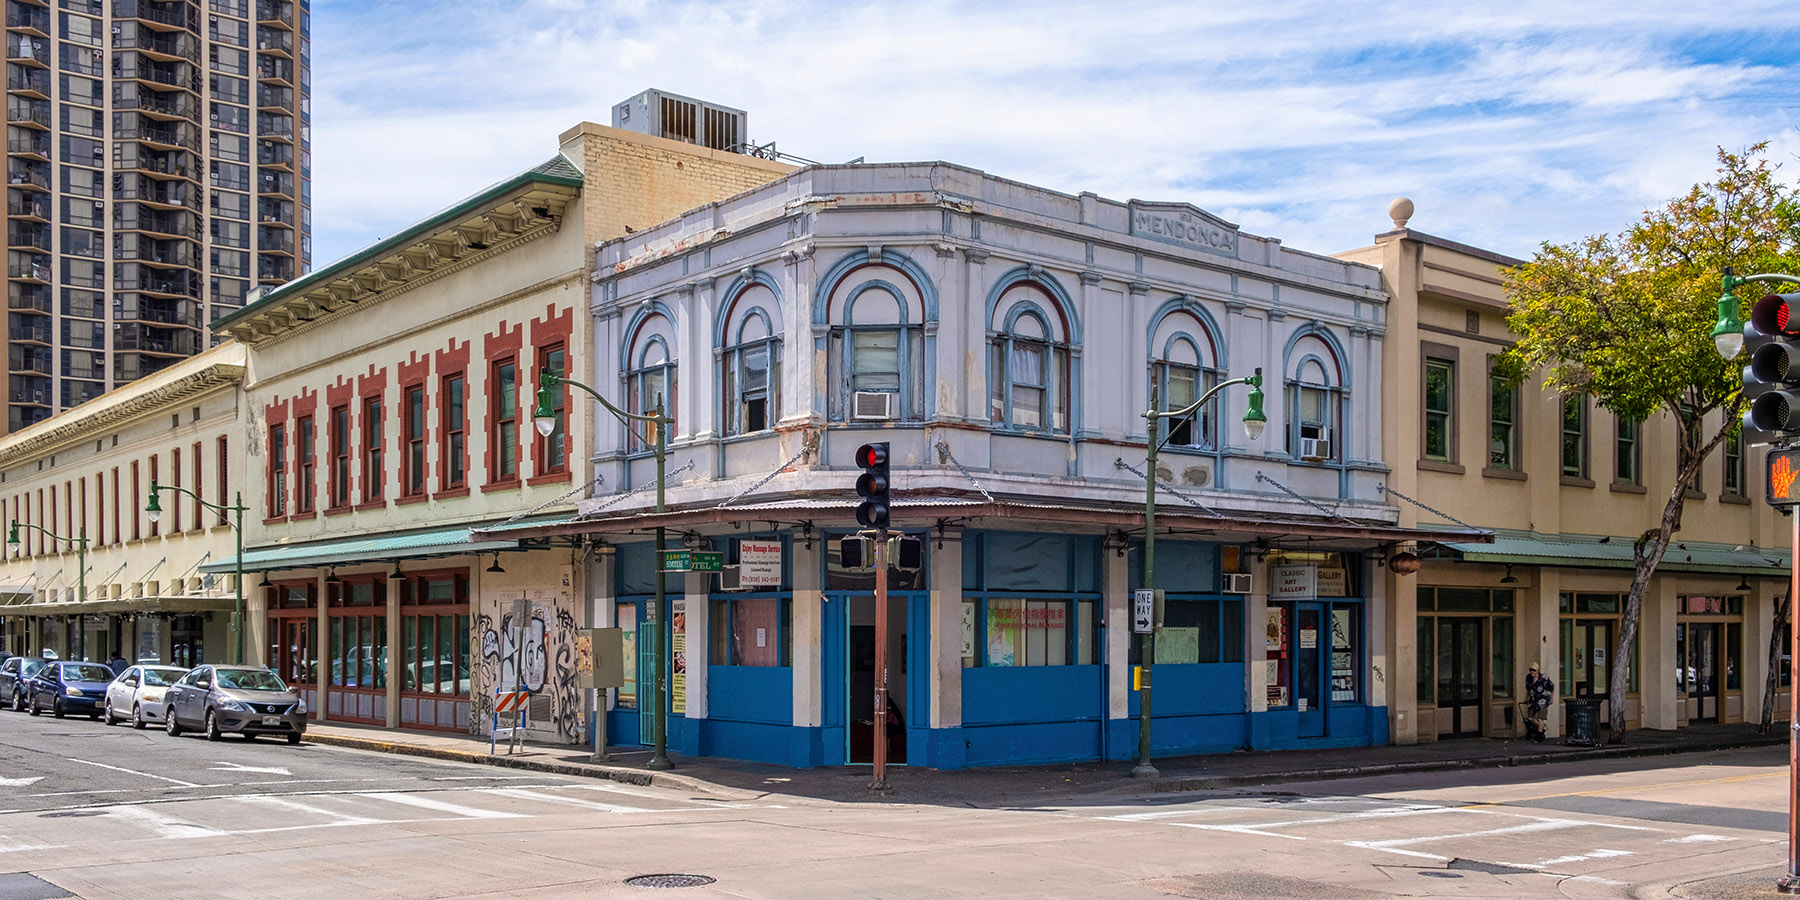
pixel 678 118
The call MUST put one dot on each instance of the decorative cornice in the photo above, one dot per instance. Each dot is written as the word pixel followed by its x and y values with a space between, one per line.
pixel 1090 278
pixel 976 254
pixel 1138 288
pixel 103 417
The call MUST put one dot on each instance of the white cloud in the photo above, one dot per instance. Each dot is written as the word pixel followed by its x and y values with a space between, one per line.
pixel 1301 120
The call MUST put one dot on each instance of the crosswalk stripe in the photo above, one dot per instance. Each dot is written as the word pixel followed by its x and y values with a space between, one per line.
pixel 164 824
pixel 522 794
pixel 336 817
pixel 440 806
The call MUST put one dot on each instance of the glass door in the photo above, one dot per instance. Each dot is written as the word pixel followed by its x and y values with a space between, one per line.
pixel 1311 644
pixel 1459 676
pixel 1701 670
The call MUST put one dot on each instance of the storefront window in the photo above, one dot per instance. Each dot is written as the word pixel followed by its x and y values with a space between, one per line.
pixel 434 631
pixel 1016 631
pixel 1198 630
pixel 625 695
pixel 1276 641
pixel 1503 657
pixel 358 641
pixel 750 631
pixel 1427 656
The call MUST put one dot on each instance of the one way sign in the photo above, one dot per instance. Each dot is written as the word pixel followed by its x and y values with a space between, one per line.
pixel 1143 611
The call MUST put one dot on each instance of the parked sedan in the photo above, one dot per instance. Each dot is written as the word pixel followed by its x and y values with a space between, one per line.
pixel 69 687
pixel 242 700
pixel 14 674
pixel 139 690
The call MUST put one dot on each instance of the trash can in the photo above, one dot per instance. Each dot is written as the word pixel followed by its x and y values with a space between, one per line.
pixel 1584 722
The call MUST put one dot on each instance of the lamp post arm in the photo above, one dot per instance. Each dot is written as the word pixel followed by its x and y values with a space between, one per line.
pixel 1191 408
pixel 215 507
pixel 80 540
pixel 551 379
pixel 1733 281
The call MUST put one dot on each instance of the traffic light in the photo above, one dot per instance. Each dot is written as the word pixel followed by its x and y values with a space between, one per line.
pixel 872 485
pixel 1773 375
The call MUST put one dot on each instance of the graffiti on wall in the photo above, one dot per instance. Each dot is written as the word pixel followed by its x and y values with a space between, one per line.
pixel 518 645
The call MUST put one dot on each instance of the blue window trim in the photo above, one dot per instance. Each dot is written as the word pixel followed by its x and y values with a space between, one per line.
pixel 1059 367
pixel 1070 600
pixel 783 628
pixel 731 359
pixel 1132 647
pixel 911 336
pixel 1208 372
pixel 925 404
pixel 635 402
pixel 1338 394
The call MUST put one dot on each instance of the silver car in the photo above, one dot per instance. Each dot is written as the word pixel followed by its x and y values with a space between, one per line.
pixel 137 694
pixel 242 700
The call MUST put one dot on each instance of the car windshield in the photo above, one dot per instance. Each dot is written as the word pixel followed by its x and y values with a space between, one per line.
pixel 31 667
pixel 250 680
pixel 161 677
pixel 87 672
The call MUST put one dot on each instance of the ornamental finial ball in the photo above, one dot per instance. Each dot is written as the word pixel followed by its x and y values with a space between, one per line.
pixel 1400 211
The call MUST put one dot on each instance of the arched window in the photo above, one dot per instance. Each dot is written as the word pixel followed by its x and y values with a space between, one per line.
pixel 1315 387
pixel 876 351
pixel 1028 363
pixel 650 379
pixel 750 375
pixel 1181 375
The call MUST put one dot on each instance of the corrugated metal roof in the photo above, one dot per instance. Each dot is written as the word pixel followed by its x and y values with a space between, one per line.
pixel 379 547
pixel 1684 556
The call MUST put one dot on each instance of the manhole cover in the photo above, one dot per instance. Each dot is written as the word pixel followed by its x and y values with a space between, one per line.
pixel 668 881
pixel 72 814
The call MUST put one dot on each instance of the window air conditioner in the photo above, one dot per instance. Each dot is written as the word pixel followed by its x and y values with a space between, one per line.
pixel 1316 449
pixel 731 579
pixel 1237 583
pixel 873 405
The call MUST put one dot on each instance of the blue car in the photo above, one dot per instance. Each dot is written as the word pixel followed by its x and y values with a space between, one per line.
pixel 70 687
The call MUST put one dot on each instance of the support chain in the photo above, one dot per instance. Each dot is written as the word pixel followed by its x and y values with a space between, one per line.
pixel 805 449
pixel 597 479
pixel 639 489
pixel 943 447
pixel 1120 463
pixel 1436 512
pixel 1290 492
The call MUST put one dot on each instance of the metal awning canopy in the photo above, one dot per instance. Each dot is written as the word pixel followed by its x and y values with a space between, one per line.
pixel 122 605
pixel 1170 518
pixel 1683 556
pixel 382 547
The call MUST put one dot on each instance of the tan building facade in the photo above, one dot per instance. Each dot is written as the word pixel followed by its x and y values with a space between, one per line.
pixel 87 473
pixel 1566 486
pixel 391 397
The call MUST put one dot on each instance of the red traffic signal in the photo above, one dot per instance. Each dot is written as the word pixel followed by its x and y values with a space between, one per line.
pixel 1777 314
pixel 872 485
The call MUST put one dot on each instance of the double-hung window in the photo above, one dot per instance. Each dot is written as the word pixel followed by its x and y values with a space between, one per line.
pixel 1733 483
pixel 1029 377
pixel 1574 436
pixel 453 431
pixel 1440 396
pixel 503 414
pixel 750 379
pixel 277 472
pixel 1178 385
pixel 876 357
pixel 553 448
pixel 648 387
pixel 1503 418
pixel 415 441
pixel 374 466
pixel 340 456
pixel 1628 452
pixel 304 450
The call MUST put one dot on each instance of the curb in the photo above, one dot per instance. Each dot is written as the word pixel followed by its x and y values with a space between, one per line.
pixel 1448 765
pixel 603 772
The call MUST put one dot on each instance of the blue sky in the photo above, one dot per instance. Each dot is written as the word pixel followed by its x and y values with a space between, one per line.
pixel 1508 124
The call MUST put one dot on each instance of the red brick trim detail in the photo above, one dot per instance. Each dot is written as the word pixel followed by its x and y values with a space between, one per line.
pixel 412 373
pixel 305 404
pixel 453 360
pixel 496 346
pixel 554 329
pixel 276 414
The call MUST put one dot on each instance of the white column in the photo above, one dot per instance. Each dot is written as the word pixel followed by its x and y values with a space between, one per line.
pixel 1256 640
pixel 946 632
pixel 807 623
pixel 1115 588
pixel 395 667
pixel 1657 697
pixel 1540 636
pixel 698 641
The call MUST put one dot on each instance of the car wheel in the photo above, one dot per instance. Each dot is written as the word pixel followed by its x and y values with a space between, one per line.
pixel 169 724
pixel 35 710
pixel 56 709
pixel 212 726
pixel 137 717
pixel 18 701
pixel 293 739
pixel 107 712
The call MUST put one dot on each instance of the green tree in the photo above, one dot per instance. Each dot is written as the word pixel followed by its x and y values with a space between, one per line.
pixel 1628 321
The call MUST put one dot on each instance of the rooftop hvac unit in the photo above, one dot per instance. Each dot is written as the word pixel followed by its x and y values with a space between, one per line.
pixel 672 116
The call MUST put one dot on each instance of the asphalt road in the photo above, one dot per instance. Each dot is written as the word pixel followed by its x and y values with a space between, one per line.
pixel 98 813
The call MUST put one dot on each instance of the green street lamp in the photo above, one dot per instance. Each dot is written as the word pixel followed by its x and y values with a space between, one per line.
pixel 1728 335
pixel 153 509
pixel 1254 423
pixel 80 542
pixel 545 418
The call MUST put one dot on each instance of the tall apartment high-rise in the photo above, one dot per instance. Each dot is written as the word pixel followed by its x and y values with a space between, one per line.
pixel 158 170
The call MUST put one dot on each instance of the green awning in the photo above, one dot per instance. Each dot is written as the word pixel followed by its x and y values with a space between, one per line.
pixel 377 548
pixel 1683 556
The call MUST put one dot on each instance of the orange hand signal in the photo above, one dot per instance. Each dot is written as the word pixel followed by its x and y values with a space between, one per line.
pixel 1782 476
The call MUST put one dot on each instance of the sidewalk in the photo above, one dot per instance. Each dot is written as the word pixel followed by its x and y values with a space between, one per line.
pixel 1026 785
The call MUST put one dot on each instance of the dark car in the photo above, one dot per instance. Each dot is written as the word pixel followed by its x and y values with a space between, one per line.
pixel 69 687
pixel 242 700
pixel 15 673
